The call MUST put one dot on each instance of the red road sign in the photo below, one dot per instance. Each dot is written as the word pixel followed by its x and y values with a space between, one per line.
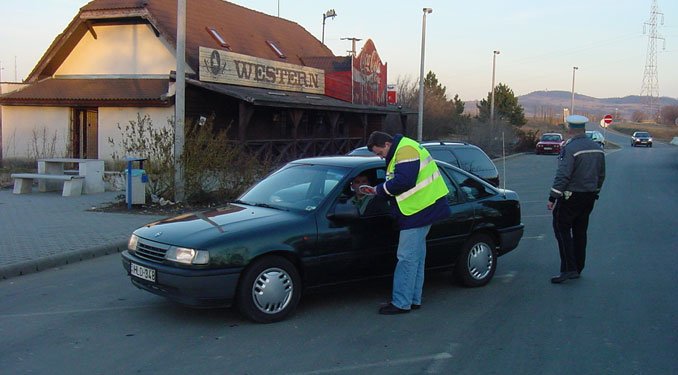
pixel 607 119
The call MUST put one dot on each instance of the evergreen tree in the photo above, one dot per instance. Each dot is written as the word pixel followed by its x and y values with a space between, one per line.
pixel 506 107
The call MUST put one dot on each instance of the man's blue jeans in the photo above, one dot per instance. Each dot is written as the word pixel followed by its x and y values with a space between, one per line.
pixel 408 280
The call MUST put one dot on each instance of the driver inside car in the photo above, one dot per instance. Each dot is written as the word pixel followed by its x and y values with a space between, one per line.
pixel 367 205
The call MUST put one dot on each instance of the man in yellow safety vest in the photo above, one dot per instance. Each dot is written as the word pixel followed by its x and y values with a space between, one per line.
pixel 417 193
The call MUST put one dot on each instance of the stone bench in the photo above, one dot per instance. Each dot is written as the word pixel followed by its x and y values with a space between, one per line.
pixel 23 182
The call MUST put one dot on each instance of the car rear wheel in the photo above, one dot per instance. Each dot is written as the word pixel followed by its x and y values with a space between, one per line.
pixel 478 261
pixel 269 290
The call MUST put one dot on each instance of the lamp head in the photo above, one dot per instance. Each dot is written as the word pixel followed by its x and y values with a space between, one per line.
pixel 428 10
pixel 330 13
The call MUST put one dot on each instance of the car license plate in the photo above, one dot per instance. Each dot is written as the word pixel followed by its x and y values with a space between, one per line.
pixel 142 272
pixel 547 148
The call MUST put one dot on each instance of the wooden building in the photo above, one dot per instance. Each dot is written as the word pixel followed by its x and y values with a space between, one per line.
pixel 273 85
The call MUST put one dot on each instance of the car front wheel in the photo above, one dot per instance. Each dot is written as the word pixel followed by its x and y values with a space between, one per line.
pixel 269 290
pixel 477 262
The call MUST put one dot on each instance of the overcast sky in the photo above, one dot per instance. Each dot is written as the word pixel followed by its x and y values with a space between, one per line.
pixel 540 41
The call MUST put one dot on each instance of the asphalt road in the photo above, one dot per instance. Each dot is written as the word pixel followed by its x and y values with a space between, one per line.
pixel 619 318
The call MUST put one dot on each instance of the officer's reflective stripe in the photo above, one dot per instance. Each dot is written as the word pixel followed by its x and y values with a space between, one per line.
pixel 421 185
pixel 406 160
pixel 588 152
pixel 424 163
pixel 557 191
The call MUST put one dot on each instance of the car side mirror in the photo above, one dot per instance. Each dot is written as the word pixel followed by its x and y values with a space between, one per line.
pixel 344 211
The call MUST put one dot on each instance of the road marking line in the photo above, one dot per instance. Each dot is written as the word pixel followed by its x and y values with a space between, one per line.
pixel 388 363
pixel 539 237
pixel 46 313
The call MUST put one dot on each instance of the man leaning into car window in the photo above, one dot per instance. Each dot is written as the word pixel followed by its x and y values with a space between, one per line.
pixel 417 193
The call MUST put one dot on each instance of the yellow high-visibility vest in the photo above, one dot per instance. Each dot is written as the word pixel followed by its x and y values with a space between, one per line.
pixel 429 187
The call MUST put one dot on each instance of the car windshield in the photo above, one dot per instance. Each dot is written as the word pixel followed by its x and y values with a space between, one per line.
pixel 641 134
pixel 551 137
pixel 295 186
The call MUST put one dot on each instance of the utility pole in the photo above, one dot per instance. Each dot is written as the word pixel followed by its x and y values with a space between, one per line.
pixel 494 61
pixel 574 69
pixel 180 102
pixel 353 40
pixel 420 119
pixel 650 87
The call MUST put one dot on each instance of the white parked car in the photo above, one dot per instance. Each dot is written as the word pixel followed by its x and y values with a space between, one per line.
pixel 596 136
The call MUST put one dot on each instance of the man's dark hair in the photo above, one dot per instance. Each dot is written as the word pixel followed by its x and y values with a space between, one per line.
pixel 378 139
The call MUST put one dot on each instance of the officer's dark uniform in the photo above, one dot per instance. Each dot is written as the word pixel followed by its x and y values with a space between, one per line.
pixel 579 178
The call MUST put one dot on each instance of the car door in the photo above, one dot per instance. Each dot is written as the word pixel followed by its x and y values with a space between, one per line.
pixel 361 246
pixel 446 237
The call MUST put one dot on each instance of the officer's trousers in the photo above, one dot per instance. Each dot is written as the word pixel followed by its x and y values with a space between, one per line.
pixel 570 223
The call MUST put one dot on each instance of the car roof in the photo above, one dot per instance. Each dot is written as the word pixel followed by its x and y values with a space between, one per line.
pixel 340 161
pixel 368 161
pixel 553 134
pixel 446 143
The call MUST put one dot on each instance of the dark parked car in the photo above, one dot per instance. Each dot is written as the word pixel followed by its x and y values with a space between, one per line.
pixel 641 138
pixel 466 156
pixel 549 143
pixel 296 230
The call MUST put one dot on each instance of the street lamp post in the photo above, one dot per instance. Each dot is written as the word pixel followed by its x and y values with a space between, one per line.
pixel 574 69
pixel 494 61
pixel 329 14
pixel 420 122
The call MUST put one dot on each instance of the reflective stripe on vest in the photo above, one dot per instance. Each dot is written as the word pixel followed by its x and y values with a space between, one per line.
pixel 429 186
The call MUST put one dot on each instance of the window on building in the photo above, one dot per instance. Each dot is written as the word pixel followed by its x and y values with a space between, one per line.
pixel 215 34
pixel 276 49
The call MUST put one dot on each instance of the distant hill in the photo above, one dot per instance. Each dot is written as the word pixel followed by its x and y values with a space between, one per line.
pixel 551 103
pixel 545 103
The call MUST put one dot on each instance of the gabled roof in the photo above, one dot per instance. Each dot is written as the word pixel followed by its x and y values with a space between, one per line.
pixel 88 92
pixel 245 31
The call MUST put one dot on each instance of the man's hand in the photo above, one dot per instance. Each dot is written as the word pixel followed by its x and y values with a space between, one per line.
pixel 367 190
pixel 550 205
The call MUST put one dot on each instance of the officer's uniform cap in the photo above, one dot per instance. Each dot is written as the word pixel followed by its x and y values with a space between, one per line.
pixel 576 121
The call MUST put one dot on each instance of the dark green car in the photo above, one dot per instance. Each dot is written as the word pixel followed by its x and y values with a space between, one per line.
pixel 296 230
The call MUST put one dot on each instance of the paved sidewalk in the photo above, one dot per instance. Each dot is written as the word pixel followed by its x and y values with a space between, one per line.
pixel 45 230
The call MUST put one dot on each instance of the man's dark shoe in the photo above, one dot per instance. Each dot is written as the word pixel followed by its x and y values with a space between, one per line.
pixel 564 276
pixel 415 307
pixel 392 310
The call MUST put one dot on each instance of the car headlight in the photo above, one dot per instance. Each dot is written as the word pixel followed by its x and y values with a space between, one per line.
pixel 132 243
pixel 187 256
pixel 649 139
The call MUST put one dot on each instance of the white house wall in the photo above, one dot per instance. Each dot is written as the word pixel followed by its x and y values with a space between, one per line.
pixel 119 50
pixel 30 132
pixel 34 132
pixel 109 118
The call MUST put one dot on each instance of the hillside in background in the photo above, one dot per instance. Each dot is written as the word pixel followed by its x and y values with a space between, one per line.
pixel 543 104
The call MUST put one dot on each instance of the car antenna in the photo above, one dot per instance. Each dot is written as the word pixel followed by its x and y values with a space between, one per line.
pixel 503 152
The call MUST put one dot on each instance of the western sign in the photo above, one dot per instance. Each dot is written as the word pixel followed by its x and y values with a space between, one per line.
pixel 237 69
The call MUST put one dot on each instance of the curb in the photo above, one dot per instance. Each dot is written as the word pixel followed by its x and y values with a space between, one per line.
pixel 53 261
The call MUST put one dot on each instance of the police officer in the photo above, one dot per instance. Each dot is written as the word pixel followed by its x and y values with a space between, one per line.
pixel 417 192
pixel 579 178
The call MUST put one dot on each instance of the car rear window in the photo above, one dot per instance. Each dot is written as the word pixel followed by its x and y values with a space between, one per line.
pixel 475 161
pixel 444 155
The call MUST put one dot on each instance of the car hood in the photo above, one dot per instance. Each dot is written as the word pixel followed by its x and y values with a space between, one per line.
pixel 549 142
pixel 198 229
